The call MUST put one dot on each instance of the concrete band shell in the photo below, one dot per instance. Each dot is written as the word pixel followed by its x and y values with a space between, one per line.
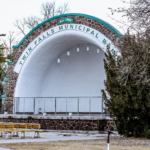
pixel 44 58
pixel 53 47
pixel 100 40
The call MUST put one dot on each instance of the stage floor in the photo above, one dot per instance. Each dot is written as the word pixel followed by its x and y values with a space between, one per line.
pixel 57 116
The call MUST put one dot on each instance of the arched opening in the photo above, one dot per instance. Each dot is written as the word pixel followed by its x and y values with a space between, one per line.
pixel 79 75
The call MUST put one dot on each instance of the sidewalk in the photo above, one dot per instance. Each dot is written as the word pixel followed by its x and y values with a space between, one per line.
pixel 48 136
pixel 4 148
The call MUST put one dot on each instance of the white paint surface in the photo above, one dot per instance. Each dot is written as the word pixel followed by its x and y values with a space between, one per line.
pixel 107 146
pixel 78 75
pixel 37 68
pixel 79 28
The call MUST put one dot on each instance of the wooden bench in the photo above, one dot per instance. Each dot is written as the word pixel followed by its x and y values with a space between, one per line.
pixel 10 128
pixel 37 130
pixel 30 128
pixel 2 129
pixel 23 128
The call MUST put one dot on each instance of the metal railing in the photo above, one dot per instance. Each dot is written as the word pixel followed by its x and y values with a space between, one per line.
pixel 58 105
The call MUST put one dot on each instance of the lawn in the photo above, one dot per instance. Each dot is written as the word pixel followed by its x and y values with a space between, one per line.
pixel 116 143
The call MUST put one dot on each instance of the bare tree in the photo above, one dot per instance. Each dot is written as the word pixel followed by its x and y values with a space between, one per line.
pixel 138 15
pixel 21 26
pixel 63 9
pixel 48 10
pixel 31 22
pixel 135 50
pixel 134 61
pixel 11 39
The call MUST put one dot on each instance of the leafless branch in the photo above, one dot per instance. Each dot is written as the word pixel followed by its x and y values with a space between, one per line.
pixel 48 10
pixel 138 15
pixel 8 43
pixel 32 21
pixel 21 26
pixel 134 62
pixel 62 9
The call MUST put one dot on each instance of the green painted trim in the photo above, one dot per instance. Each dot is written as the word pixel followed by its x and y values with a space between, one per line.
pixel 11 63
pixel 6 79
pixel 72 14
pixel 3 96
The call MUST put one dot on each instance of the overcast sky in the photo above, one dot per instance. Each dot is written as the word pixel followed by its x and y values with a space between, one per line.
pixel 10 10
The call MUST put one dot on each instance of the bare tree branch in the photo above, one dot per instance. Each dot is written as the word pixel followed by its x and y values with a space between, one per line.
pixel 48 10
pixel 21 26
pixel 138 15
pixel 11 39
pixel 63 9
pixel 32 21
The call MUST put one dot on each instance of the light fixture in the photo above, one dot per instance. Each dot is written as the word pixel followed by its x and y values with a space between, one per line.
pixel 68 53
pixel 88 49
pixel 98 50
pixel 78 49
pixel 58 60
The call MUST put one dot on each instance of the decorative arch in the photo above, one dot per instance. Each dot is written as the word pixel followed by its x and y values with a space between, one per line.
pixel 74 14
pixel 100 40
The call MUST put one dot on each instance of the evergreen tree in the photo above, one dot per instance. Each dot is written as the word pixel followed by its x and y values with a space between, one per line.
pixel 128 87
pixel 2 72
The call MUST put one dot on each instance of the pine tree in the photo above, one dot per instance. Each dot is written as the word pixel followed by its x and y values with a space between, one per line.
pixel 128 87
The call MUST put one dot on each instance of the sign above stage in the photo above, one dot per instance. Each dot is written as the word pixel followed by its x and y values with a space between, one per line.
pixel 102 39
pixel 65 20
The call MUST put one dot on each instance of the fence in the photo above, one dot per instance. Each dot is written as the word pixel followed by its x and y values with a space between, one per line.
pixel 58 105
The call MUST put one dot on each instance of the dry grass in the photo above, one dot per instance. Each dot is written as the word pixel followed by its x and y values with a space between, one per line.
pixel 117 143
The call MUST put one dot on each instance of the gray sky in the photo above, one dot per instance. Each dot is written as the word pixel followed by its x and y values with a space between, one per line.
pixel 11 10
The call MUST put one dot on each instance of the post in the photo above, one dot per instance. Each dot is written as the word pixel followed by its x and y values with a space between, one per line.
pixel 89 105
pixel 44 105
pixel 14 105
pixel 55 105
pixel 102 106
pixel 108 140
pixel 78 106
pixel 24 106
pixel 66 105
pixel 109 132
pixel 34 105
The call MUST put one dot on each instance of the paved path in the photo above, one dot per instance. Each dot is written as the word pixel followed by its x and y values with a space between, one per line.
pixel 51 137
pixel 4 148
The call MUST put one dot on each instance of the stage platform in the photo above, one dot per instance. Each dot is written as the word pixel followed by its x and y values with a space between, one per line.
pixel 56 117
pixel 64 122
